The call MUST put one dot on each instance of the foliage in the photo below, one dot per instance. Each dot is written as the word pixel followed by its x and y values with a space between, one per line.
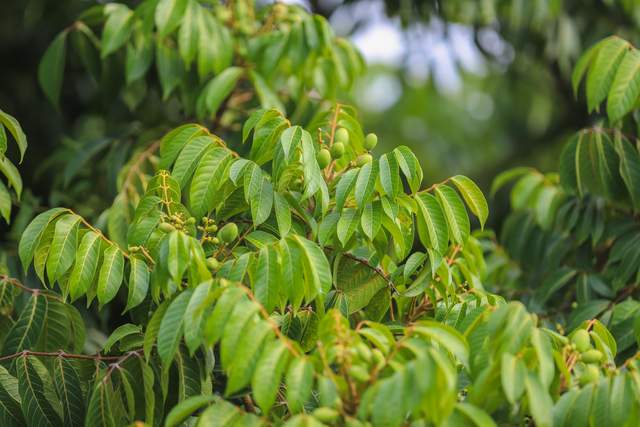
pixel 248 270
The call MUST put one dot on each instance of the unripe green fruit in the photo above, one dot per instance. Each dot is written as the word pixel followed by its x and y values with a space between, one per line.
pixel 371 141
pixel 591 374
pixel 324 158
pixel 213 264
pixel 212 228
pixel 166 227
pixel 591 356
pixel 342 135
pixel 363 159
pixel 191 220
pixel 337 150
pixel 359 373
pixel 228 233
pixel 582 340
pixel 326 415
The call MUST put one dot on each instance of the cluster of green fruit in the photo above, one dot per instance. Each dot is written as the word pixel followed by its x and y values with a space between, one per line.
pixel 590 358
pixel 176 222
pixel 337 149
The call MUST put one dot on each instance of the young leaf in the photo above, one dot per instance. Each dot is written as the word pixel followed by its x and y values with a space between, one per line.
pixel 111 274
pixel 51 68
pixel 117 28
pixel 473 196
pixel 170 330
pixel 86 265
pixel 454 212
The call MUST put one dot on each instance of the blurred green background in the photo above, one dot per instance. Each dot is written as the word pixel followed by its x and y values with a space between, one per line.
pixel 473 86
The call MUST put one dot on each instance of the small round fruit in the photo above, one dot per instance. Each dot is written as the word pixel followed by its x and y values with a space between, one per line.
pixel 166 227
pixel 363 159
pixel 591 356
pixel 324 158
pixel 326 415
pixel 590 374
pixel 582 340
pixel 228 233
pixel 370 141
pixel 337 150
pixel 213 264
pixel 359 373
pixel 191 220
pixel 212 228
pixel 342 135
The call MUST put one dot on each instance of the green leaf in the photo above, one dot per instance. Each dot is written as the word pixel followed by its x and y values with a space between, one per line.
pixel 629 168
pixel 69 390
pixel 476 415
pixel 244 314
pixel 266 284
pixel 267 97
pixel 117 28
pixel 358 283
pixel 26 331
pixel 390 175
pixel 448 337
pixel 283 213
pixel 473 197
pixel 99 411
pixel 454 212
pixel 603 70
pixel 347 225
pixel 32 234
pixel 188 34
pixel 366 182
pixel 9 170
pixel 14 128
pixel 247 351
pixel 86 265
pixel 111 274
pixel 268 374
pixel 153 327
pixel 189 158
pixel 299 380
pixel 10 411
pixel 432 225
pixel 194 316
pixel 371 219
pixel 170 68
pixel 512 374
pixel 5 203
pixel 172 143
pixel 186 408
pixel 344 187
pixel 138 282
pixel 207 180
pixel 315 264
pixel 170 330
pixel 51 68
pixel 625 87
pixel 120 332
pixel 216 91
pixel 168 15
pixel 410 166
pixel 540 403
pixel 33 385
